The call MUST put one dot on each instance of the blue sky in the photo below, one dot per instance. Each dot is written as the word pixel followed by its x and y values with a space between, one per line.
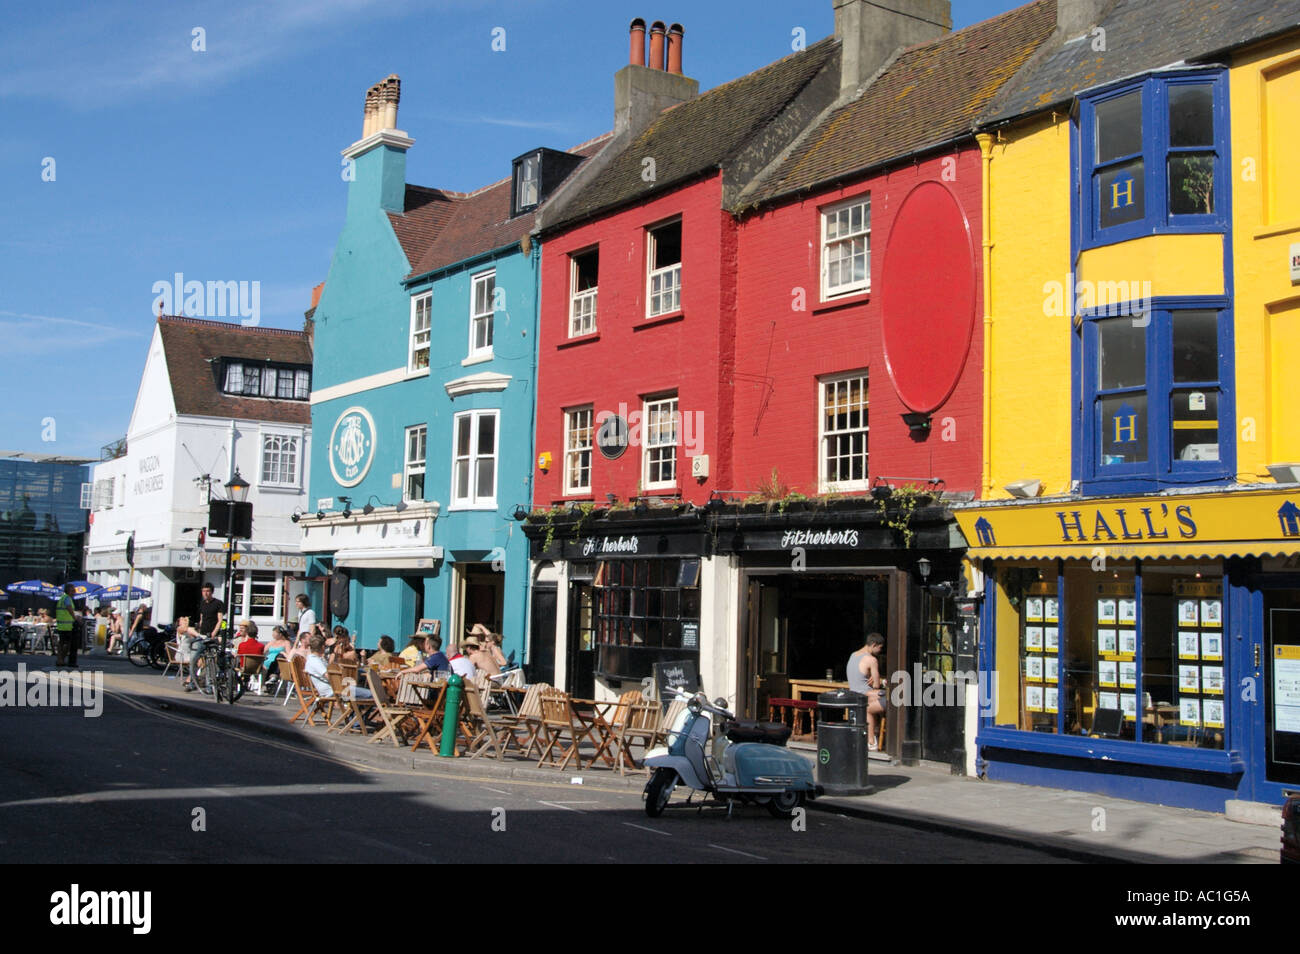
pixel 224 164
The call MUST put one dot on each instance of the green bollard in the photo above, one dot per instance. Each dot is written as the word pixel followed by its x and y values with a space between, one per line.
pixel 451 715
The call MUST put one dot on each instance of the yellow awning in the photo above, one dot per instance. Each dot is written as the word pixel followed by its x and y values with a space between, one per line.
pixel 1202 525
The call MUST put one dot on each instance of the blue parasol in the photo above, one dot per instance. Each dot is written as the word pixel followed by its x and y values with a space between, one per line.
pixel 47 590
pixel 117 592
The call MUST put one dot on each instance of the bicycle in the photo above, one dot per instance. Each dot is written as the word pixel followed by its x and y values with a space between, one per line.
pixel 215 674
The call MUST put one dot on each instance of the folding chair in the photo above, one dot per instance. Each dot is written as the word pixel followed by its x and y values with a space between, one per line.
pixel 391 714
pixel 491 735
pixel 284 664
pixel 310 704
pixel 250 669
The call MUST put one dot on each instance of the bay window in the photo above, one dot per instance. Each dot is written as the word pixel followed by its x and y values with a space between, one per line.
pixel 1157 400
pixel 1154 158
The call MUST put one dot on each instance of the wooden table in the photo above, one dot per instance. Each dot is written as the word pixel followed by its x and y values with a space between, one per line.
pixel 817 686
pixel 424 688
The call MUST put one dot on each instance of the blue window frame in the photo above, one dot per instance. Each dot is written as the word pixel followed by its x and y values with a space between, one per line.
pixel 1156 406
pixel 1154 158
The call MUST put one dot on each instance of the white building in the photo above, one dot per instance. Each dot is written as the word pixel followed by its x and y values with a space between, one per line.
pixel 215 398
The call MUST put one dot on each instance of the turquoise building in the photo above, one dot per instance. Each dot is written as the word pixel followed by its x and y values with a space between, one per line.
pixel 425 367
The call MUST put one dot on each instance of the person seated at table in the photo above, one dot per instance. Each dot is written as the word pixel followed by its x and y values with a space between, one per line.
pixel 249 644
pixel 483 659
pixel 189 644
pixel 436 661
pixel 493 646
pixel 461 664
pixel 344 651
pixel 301 646
pixel 415 650
pixel 318 671
pixel 114 633
pixel 280 643
pixel 382 658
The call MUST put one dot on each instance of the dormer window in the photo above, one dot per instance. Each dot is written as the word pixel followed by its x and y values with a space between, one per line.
pixel 527 182
pixel 536 174
pixel 259 379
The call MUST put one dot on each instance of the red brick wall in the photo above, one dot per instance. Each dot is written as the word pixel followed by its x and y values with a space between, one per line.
pixel 632 357
pixel 781 351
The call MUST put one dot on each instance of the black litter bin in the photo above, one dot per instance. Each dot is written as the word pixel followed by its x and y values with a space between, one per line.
pixel 842 742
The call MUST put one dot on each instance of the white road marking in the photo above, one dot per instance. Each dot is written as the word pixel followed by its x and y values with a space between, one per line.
pixel 644 828
pixel 735 851
pixel 498 791
pixel 560 805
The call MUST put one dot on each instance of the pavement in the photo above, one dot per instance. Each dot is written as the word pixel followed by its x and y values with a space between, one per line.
pixel 1078 826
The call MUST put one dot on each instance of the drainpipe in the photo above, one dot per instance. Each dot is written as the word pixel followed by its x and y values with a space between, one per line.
pixel 986 161
pixel 228 578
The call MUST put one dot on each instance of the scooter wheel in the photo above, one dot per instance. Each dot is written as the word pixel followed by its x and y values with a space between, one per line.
pixel 659 790
pixel 785 804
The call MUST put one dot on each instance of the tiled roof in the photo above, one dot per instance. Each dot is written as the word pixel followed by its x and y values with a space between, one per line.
pixel 930 95
pixel 427 211
pixel 702 134
pixel 481 222
pixel 188 343
pixel 1140 35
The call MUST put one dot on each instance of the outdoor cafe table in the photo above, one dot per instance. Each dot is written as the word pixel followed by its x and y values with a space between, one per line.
pixel 592 722
pixel 424 688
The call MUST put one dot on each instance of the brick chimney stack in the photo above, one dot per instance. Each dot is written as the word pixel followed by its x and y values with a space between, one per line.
pixel 646 87
pixel 871 31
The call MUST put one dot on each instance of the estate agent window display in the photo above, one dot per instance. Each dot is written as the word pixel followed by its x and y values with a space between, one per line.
pixel 1127 652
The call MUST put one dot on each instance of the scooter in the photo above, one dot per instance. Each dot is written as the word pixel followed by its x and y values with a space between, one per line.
pixel 747 764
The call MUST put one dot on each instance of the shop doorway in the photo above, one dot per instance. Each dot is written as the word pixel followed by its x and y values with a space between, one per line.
pixel 942 708
pixel 185 599
pixel 804 626
pixel 480 598
pixel 580 665
pixel 1281 686
pixel 541 649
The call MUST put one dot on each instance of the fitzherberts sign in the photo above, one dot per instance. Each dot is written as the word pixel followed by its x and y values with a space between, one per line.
pixel 819 538
pixel 600 546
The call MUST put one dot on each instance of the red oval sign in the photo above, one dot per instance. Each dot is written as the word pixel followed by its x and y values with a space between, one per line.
pixel 928 297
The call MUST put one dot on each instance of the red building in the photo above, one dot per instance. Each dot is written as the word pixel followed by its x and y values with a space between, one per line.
pixel 770 298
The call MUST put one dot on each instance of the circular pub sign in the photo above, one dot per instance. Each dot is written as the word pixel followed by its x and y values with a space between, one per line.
pixel 352 446
pixel 612 437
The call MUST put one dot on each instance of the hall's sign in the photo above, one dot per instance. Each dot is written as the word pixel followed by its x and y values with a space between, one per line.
pixel 1213 524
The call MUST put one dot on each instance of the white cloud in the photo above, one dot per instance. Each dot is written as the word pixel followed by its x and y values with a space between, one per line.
pixel 27 334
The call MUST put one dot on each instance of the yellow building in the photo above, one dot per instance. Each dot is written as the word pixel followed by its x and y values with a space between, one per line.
pixel 1138 545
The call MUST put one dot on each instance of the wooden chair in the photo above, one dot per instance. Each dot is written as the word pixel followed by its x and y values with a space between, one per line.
pixel 491 734
pixel 392 715
pixel 173 659
pixel 666 720
pixel 641 725
pixel 610 747
pixel 560 722
pixel 528 718
pixel 250 669
pixel 353 710
pixel 428 719
pixel 310 704
pixel 284 664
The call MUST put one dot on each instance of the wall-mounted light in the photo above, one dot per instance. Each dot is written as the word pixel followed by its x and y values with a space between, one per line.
pixel 1024 488
pixel 347 506
pixel 369 508
pixel 612 498
pixel 923 568
pixel 296 515
pixel 520 513
pixel 918 422
pixel 881 489
pixel 320 514
pixel 1285 473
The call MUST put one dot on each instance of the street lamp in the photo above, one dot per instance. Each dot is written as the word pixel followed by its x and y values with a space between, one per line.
pixel 237 494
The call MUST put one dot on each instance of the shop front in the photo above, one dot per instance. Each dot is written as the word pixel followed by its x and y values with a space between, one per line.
pixel 377 573
pixel 1145 647
pixel 614 595
pixel 813 583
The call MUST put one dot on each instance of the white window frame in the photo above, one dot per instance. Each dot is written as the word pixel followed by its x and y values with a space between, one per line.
pixel 652 442
pixel 421 336
pixel 826 435
pixel 582 304
pixel 829 245
pixel 574 426
pixel 670 276
pixel 522 181
pixel 417 464
pixel 471 500
pixel 482 319
pixel 265 437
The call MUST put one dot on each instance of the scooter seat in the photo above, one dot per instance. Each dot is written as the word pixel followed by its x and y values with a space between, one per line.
pixel 772 733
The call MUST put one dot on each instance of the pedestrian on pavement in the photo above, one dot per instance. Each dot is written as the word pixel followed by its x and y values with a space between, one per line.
pixel 864 677
pixel 65 622
pixel 211 612
pixel 306 617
